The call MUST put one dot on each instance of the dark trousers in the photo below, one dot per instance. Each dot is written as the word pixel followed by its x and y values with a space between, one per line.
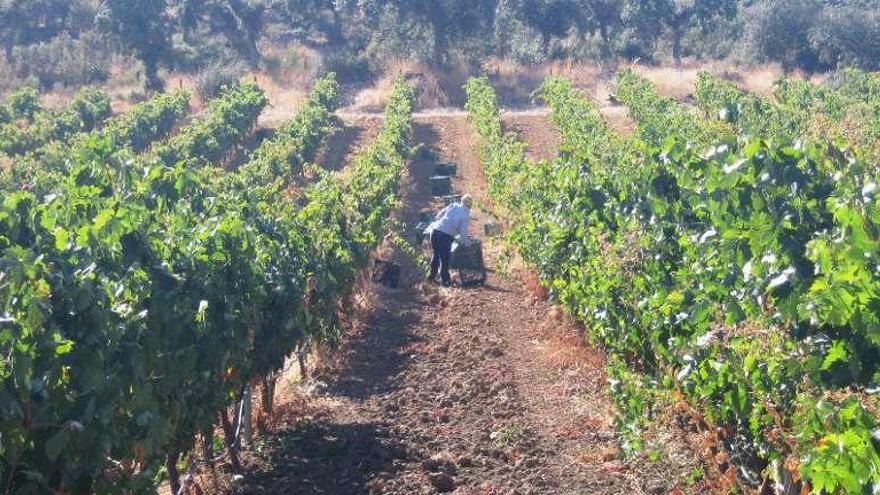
pixel 441 244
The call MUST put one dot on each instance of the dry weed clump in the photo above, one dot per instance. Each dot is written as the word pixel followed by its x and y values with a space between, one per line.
pixel 563 345
pixel 855 127
pixel 683 436
pixel 534 286
pixel 624 257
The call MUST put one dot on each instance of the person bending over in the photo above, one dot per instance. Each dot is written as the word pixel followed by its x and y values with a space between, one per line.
pixel 454 220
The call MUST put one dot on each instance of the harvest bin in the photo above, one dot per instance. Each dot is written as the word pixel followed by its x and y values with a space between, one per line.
pixel 492 229
pixel 441 185
pixel 420 232
pixel 452 198
pixel 447 169
pixel 468 261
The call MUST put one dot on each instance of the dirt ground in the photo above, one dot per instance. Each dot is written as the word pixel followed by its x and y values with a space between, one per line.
pixel 352 135
pixel 484 390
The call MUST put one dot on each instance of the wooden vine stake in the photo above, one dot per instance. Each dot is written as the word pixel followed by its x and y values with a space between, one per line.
pixel 229 439
pixel 173 473
pixel 267 391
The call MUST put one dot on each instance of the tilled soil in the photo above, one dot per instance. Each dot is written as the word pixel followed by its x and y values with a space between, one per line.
pixel 352 135
pixel 537 132
pixel 483 390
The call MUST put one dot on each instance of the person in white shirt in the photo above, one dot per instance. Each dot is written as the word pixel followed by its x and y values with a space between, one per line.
pixel 454 220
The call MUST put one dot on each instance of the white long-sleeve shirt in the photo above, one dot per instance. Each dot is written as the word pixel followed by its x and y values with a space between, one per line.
pixel 454 220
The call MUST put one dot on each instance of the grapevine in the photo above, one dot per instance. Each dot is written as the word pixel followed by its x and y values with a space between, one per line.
pixel 710 274
pixel 88 109
pixel 139 298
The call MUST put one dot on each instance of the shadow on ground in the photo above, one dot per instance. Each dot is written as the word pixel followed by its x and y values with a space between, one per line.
pixel 317 457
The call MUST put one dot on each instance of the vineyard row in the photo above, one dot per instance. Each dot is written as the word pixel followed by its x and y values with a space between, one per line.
pixel 734 273
pixel 141 292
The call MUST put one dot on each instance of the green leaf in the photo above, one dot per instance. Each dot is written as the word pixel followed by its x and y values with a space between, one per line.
pixel 836 354
pixel 56 444
pixel 62 238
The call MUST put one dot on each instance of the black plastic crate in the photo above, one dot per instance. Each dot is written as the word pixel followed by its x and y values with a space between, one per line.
pixel 468 262
pixel 441 185
pixel 446 169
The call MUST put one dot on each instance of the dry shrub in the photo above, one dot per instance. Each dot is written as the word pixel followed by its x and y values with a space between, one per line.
pixel 502 67
pixel 534 286
pixel 376 97
pixel 585 76
pixel 294 65
pixel 58 98
pixel 515 83
pixel 679 82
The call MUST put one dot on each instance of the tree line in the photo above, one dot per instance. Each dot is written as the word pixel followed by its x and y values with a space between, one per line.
pixel 812 35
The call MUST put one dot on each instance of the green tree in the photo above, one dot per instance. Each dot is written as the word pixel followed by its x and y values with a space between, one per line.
pixel 778 30
pixel 144 28
pixel 603 17
pixel 447 21
pixel 847 34
pixel 651 19
pixel 239 22
pixel 308 17
pixel 24 22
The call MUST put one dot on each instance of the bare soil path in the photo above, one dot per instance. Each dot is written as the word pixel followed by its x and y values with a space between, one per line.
pixel 353 134
pixel 468 391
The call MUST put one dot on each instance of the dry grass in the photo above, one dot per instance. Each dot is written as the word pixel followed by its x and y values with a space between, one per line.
pixel 284 97
pixel 563 347
pixel 57 99
pixel 436 88
pixel 515 83
pixel 618 119
pixel 678 82
pixel 760 79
